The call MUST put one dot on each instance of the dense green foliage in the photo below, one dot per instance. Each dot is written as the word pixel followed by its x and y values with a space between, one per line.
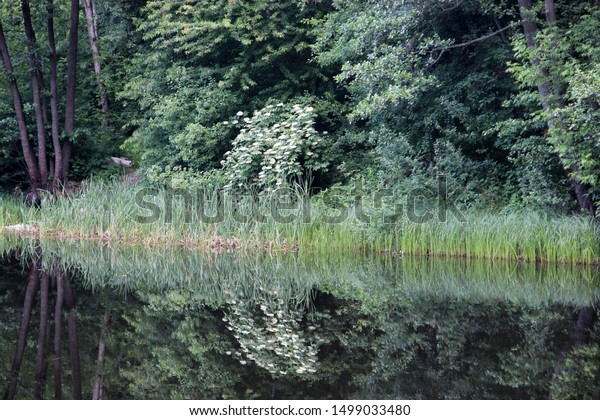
pixel 282 164
pixel 407 91
pixel 206 61
pixel 434 108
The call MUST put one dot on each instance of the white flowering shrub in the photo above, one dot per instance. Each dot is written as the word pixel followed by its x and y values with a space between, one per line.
pixel 276 144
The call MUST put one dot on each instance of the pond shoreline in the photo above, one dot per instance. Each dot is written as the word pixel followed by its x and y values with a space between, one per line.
pixel 219 245
pixel 136 216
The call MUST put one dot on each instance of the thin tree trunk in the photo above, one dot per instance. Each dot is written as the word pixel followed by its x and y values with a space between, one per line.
pixel 32 286
pixel 586 203
pixel 74 355
pixel 58 166
pixel 40 366
pixel 48 350
pixel 71 89
pixel 530 30
pixel 550 10
pixel 28 155
pixel 97 393
pixel 69 300
pixel 92 27
pixel 36 85
pixel 58 336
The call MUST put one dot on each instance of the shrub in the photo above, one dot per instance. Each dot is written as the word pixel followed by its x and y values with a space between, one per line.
pixel 275 145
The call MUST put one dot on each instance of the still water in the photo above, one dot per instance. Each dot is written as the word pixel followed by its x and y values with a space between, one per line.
pixel 83 320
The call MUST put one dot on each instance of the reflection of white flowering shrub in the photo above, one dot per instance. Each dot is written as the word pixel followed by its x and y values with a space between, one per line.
pixel 272 146
pixel 271 336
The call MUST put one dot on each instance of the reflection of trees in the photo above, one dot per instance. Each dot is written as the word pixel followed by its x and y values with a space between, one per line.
pixel 578 376
pixel 184 350
pixel 32 286
pixel 58 287
pixel 58 307
pixel 585 324
pixel 455 348
pixel 97 392
pixel 42 344
pixel 180 350
pixel 393 330
pixel 69 301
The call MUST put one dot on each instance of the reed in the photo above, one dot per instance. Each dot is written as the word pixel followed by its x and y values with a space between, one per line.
pixel 10 211
pixel 297 222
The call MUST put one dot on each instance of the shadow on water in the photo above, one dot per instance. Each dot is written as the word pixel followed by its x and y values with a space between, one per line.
pixel 82 320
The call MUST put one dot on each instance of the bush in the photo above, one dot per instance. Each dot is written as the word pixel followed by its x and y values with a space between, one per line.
pixel 277 144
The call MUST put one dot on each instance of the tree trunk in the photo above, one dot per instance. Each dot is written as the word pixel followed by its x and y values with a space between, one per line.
pixel 71 89
pixel 36 86
pixel 74 355
pixel 58 336
pixel 69 300
pixel 548 89
pixel 97 392
pixel 58 166
pixel 32 286
pixel 530 30
pixel 550 10
pixel 40 366
pixel 92 27
pixel 28 155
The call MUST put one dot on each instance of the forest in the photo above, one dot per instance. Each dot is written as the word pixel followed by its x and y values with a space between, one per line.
pixel 299 199
pixel 488 108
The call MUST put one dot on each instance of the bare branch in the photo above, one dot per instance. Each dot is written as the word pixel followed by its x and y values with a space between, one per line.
pixel 473 41
pixel 451 8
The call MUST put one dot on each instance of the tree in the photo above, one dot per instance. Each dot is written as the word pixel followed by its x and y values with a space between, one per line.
pixel 93 34
pixel 67 145
pixel 204 62
pixel 28 154
pixel 427 88
pixel 397 56
pixel 557 67
pixel 38 169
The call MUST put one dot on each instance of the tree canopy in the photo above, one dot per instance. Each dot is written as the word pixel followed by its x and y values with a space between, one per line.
pixel 501 98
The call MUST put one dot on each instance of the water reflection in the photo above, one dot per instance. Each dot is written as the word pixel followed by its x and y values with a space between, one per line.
pixel 82 320
pixel 39 283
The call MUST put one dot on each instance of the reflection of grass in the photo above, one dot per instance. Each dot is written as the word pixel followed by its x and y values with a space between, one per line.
pixel 109 213
pixel 371 279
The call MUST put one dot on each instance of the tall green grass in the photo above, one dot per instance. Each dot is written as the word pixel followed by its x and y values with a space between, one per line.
pixel 111 213
pixel 10 211
pixel 527 236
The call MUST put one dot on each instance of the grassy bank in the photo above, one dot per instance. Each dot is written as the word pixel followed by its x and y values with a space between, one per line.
pixel 116 214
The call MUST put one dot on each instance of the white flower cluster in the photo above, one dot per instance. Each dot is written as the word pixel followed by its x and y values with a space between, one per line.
pixel 270 146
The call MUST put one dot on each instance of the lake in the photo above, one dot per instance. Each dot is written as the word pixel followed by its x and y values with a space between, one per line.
pixel 86 320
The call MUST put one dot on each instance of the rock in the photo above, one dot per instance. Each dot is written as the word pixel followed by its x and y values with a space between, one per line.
pixel 21 228
pixel 122 162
